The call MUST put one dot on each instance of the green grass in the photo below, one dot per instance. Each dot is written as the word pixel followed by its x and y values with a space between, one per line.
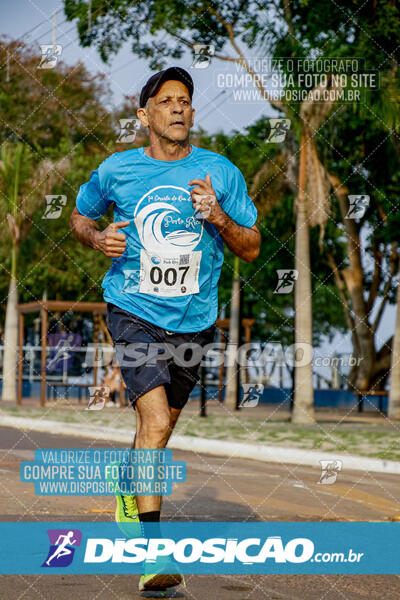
pixel 378 440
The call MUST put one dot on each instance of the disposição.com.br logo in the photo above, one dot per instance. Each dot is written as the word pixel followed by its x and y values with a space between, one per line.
pixel 62 547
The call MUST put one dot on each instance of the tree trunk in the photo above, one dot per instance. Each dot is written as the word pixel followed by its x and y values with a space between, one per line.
pixel 9 392
pixel 231 390
pixel 303 407
pixel 361 375
pixel 394 394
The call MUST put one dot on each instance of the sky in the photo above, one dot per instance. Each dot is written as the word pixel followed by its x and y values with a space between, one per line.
pixel 126 73
pixel 216 109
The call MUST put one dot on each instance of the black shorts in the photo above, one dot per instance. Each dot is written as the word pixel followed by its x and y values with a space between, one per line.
pixel 150 356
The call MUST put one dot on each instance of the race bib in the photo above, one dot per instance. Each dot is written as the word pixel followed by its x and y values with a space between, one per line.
pixel 169 275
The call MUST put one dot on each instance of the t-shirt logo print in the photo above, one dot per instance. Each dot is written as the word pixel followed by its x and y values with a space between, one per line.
pixel 152 220
pixel 169 233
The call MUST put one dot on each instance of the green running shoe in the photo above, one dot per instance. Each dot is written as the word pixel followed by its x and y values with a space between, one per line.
pixel 160 581
pixel 168 575
pixel 126 512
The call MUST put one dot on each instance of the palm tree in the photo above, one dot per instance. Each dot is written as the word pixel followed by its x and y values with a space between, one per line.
pixel 24 182
pixel 312 208
pixel 10 167
pixel 231 390
pixel 394 394
pixel 303 401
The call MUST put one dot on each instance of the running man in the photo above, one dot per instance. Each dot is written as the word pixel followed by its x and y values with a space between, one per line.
pixel 62 542
pixel 174 206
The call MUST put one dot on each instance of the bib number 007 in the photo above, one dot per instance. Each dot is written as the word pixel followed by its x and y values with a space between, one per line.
pixel 170 275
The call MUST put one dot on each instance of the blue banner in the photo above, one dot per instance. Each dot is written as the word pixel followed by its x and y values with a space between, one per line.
pixel 193 547
pixel 103 472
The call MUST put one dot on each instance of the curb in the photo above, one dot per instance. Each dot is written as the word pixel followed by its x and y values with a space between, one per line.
pixel 275 454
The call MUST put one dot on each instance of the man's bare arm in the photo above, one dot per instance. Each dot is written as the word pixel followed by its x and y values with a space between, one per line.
pixel 242 241
pixel 109 242
pixel 83 228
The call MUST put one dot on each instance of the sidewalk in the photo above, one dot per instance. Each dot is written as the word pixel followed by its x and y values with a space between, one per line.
pixel 274 412
pixel 363 440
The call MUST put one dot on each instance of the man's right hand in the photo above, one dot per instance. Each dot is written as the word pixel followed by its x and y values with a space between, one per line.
pixel 110 242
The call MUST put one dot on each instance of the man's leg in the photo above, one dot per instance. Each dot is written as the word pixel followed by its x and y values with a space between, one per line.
pixel 153 429
pixel 154 425
pixel 174 415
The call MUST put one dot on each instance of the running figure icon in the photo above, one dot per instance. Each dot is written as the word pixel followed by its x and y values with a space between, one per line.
pixel 62 549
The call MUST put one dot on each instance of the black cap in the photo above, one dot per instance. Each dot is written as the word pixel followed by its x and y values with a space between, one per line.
pixel 154 83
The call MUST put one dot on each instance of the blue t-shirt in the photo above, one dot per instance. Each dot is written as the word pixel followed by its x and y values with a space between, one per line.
pixel 169 272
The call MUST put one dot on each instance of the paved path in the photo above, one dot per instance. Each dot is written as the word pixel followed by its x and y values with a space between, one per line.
pixel 217 488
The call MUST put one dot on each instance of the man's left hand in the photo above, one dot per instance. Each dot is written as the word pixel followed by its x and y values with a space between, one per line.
pixel 205 200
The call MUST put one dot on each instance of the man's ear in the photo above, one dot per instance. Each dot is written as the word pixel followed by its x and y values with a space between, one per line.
pixel 193 113
pixel 142 114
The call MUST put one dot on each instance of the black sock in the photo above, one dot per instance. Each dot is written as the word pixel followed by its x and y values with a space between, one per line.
pixel 151 516
pixel 151 524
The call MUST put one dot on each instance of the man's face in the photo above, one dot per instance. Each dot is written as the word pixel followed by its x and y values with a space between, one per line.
pixel 169 114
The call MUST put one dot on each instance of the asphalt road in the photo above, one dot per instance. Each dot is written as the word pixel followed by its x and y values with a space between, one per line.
pixel 216 489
